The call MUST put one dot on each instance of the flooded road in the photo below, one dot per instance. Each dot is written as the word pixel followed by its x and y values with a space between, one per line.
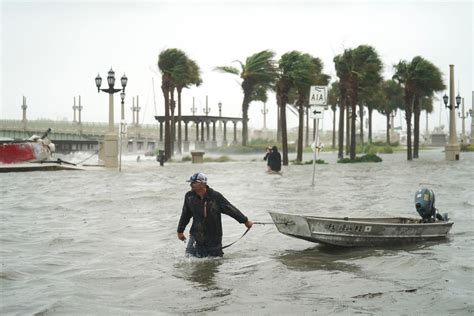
pixel 100 242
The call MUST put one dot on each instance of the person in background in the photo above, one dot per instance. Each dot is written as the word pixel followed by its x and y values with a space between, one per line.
pixel 268 152
pixel 274 160
pixel 205 206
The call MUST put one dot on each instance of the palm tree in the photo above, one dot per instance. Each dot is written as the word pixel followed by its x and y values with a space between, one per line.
pixel 404 74
pixel 310 74
pixel 429 81
pixel 342 106
pixel 357 69
pixel 258 72
pixel 419 78
pixel 169 62
pixel 290 66
pixel 187 74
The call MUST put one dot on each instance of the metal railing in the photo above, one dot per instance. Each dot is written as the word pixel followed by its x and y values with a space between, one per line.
pixel 74 128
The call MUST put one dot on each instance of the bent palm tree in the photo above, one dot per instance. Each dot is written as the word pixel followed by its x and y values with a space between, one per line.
pixel 258 72
pixel 310 74
pixel 169 63
pixel 419 78
pixel 186 75
pixel 289 68
pixel 429 80
pixel 358 69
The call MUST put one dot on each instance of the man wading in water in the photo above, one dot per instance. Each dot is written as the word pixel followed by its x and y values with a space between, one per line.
pixel 205 206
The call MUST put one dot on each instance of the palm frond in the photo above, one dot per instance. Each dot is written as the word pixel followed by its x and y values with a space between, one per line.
pixel 227 69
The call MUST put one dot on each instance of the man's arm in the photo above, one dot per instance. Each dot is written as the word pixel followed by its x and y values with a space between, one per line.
pixel 186 215
pixel 227 208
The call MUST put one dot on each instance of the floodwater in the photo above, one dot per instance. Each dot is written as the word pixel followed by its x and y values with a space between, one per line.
pixel 100 242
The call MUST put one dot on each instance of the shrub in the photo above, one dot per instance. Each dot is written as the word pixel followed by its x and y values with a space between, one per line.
pixel 365 158
pixel 318 161
pixel 371 158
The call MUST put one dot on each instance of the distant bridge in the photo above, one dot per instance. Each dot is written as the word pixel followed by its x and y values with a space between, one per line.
pixel 85 136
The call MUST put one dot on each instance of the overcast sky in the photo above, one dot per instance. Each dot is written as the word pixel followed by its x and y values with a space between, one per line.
pixel 51 51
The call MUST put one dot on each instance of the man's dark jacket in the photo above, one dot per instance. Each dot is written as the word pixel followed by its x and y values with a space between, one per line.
pixel 206 214
pixel 274 160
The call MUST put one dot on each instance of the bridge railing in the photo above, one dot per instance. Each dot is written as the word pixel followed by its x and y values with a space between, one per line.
pixel 65 127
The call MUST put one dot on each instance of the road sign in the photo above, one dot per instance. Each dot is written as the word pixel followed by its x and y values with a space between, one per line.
pixel 316 112
pixel 318 95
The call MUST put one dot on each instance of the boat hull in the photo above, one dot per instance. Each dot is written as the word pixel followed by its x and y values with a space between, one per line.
pixel 11 153
pixel 358 232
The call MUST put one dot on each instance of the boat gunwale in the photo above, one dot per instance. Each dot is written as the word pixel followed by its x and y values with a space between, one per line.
pixel 364 220
pixel 361 221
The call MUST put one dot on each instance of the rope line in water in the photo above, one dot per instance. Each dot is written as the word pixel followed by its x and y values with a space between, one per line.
pixel 237 239
pixel 88 157
pixel 255 223
pixel 270 223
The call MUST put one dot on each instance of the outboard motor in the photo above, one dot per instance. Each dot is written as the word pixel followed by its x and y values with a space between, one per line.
pixel 425 206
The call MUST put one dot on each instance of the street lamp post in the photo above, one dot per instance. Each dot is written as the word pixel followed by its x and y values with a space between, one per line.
pixel 471 113
pixel 463 115
pixel 193 109
pixel 74 108
pixel 207 109
pixel 110 138
pixel 220 115
pixel 137 109
pixel 123 128
pixel 23 108
pixel 133 111
pixel 452 149
pixel 122 97
pixel 79 109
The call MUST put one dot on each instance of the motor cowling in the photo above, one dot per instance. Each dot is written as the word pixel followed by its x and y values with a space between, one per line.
pixel 425 206
pixel 424 203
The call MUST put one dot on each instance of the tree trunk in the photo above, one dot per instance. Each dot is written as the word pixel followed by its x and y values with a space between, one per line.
pixel 340 145
pixel 334 128
pixel 245 118
pixel 165 89
pixel 179 90
pixel 408 111
pixel 284 135
pixel 361 114
pixel 173 126
pixel 307 126
pixel 299 153
pixel 353 132
pixel 416 127
pixel 369 109
pixel 388 127
pixel 348 129
pixel 353 93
